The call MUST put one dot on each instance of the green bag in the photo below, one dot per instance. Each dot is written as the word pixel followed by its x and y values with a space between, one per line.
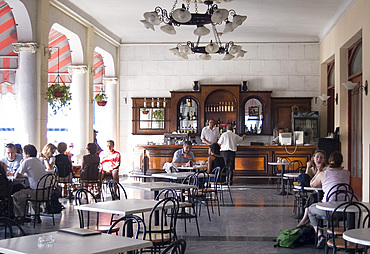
pixel 287 237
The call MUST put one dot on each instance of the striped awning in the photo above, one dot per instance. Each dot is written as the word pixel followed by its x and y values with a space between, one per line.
pixel 99 72
pixel 8 58
pixel 60 57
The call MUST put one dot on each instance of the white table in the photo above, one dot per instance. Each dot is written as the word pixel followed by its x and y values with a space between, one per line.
pixel 292 175
pixel 193 168
pixel 72 244
pixel 156 186
pixel 282 164
pixel 178 176
pixel 359 236
pixel 308 188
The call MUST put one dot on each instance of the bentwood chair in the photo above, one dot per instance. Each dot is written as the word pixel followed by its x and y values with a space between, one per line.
pixel 90 179
pixel 84 196
pixel 177 247
pixel 354 215
pixel 224 184
pixel 163 232
pixel 121 192
pixel 11 228
pixel 63 172
pixel 44 189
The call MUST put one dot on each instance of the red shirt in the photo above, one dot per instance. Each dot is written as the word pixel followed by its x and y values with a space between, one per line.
pixel 110 160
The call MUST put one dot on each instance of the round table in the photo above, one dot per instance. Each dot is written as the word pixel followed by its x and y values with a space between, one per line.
pixel 282 164
pixel 359 236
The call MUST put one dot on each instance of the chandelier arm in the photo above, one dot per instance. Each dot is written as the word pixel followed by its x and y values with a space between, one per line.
pixel 217 37
pixel 174 6
pixel 188 5
pixel 163 14
pixel 232 12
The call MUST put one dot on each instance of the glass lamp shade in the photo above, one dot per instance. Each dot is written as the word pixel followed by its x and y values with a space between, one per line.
pixel 183 55
pixel 228 56
pixel 205 57
pixel 349 85
pixel 152 17
pixel 201 31
pixel 147 25
pixel 168 29
pixel 238 20
pixel 234 49
pixel 219 15
pixel 185 48
pixel 241 53
pixel 228 27
pixel 175 51
pixel 324 97
pixel 181 15
pixel 212 47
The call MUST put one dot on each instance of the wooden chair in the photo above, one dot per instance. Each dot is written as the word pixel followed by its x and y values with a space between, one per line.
pixel 84 196
pixel 121 192
pixel 348 211
pixel 90 179
pixel 224 184
pixel 63 172
pixel 11 228
pixel 45 187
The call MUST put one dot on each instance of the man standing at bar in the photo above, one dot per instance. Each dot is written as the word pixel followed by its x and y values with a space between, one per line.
pixel 210 134
pixel 228 142
pixel 110 161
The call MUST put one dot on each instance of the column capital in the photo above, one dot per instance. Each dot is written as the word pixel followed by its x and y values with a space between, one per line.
pixel 82 69
pixel 25 47
pixel 110 80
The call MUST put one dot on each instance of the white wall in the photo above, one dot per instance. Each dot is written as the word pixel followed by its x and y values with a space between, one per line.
pixel 287 69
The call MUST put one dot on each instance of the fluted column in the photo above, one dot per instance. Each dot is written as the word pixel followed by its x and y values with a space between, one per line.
pixel 78 115
pixel 111 107
pixel 26 128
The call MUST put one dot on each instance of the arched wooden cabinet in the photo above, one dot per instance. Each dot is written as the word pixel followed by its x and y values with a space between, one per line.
pixel 226 104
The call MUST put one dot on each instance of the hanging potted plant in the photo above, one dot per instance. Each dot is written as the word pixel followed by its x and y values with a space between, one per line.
pixel 101 99
pixel 58 96
pixel 145 111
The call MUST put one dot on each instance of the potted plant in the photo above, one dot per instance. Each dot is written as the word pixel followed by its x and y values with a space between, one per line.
pixel 101 99
pixel 58 96
pixel 145 111
pixel 159 116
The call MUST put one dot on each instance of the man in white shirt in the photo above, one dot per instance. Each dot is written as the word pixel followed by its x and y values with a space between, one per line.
pixel 228 142
pixel 34 170
pixel 210 134
pixel 12 159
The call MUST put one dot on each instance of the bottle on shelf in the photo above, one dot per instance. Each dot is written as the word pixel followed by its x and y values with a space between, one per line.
pixel 188 116
pixel 152 102
pixel 189 102
pixel 229 106
pixel 144 102
pixel 232 107
pixel 222 106
pixel 195 116
pixel 145 163
pixel 158 104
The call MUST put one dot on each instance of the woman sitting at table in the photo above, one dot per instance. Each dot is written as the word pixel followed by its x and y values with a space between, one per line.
pixel 214 158
pixel 47 156
pixel 90 165
pixel 316 164
pixel 334 175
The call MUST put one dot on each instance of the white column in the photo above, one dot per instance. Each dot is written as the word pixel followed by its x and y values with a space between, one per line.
pixel 111 107
pixel 26 129
pixel 78 115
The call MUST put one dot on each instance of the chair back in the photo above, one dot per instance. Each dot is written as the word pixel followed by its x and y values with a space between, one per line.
pixel 166 193
pixel 341 192
pixel 11 228
pixel 83 197
pixel 45 187
pixel 138 226
pixel 177 247
pixel 354 215
pixel 112 184
pixel 294 166
pixel 165 227
pixel 63 169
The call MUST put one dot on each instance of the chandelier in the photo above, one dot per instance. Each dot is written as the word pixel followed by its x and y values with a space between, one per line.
pixel 214 16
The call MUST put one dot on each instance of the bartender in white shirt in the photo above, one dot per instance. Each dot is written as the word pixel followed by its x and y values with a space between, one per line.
pixel 210 134
pixel 228 142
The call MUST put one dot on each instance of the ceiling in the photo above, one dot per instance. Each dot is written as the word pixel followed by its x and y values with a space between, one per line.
pixel 268 20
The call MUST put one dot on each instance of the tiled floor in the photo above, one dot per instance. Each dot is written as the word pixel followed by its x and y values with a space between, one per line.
pixel 249 226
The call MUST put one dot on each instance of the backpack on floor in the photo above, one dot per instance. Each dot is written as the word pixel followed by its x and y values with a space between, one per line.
pixel 300 236
pixel 54 206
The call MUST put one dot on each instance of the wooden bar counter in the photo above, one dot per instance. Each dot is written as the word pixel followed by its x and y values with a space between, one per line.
pixel 251 163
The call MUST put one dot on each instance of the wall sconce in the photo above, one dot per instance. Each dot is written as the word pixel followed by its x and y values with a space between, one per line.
pixel 355 87
pixel 324 97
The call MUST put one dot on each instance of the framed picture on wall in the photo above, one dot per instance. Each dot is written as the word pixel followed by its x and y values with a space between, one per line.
pixel 253 111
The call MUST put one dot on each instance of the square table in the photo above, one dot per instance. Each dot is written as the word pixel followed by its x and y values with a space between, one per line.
pixel 178 175
pixel 156 186
pixel 72 244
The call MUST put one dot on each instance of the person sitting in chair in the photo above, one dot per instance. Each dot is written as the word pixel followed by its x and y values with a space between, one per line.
pixel 110 161
pixel 64 166
pixel 184 155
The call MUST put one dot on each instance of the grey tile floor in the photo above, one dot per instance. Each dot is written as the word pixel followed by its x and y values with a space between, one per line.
pixel 248 226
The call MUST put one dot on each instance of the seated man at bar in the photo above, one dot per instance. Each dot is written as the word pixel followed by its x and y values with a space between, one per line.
pixel 184 155
pixel 210 134
pixel 12 159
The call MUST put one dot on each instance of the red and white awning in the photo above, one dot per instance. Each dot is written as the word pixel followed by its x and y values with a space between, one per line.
pixel 99 72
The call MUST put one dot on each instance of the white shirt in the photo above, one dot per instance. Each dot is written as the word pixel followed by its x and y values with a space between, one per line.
pixel 229 140
pixel 210 135
pixel 34 170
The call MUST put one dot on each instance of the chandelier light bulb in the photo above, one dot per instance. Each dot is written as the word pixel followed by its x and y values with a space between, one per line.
pixel 212 47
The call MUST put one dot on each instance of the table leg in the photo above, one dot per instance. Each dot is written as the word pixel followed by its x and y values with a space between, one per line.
pixel 129 233
pixel 156 213
pixel 283 192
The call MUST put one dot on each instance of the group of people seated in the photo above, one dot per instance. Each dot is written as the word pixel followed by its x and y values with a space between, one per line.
pixel 28 164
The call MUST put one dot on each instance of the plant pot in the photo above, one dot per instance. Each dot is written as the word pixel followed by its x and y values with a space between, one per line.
pixel 101 103
pixel 145 112
pixel 58 93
